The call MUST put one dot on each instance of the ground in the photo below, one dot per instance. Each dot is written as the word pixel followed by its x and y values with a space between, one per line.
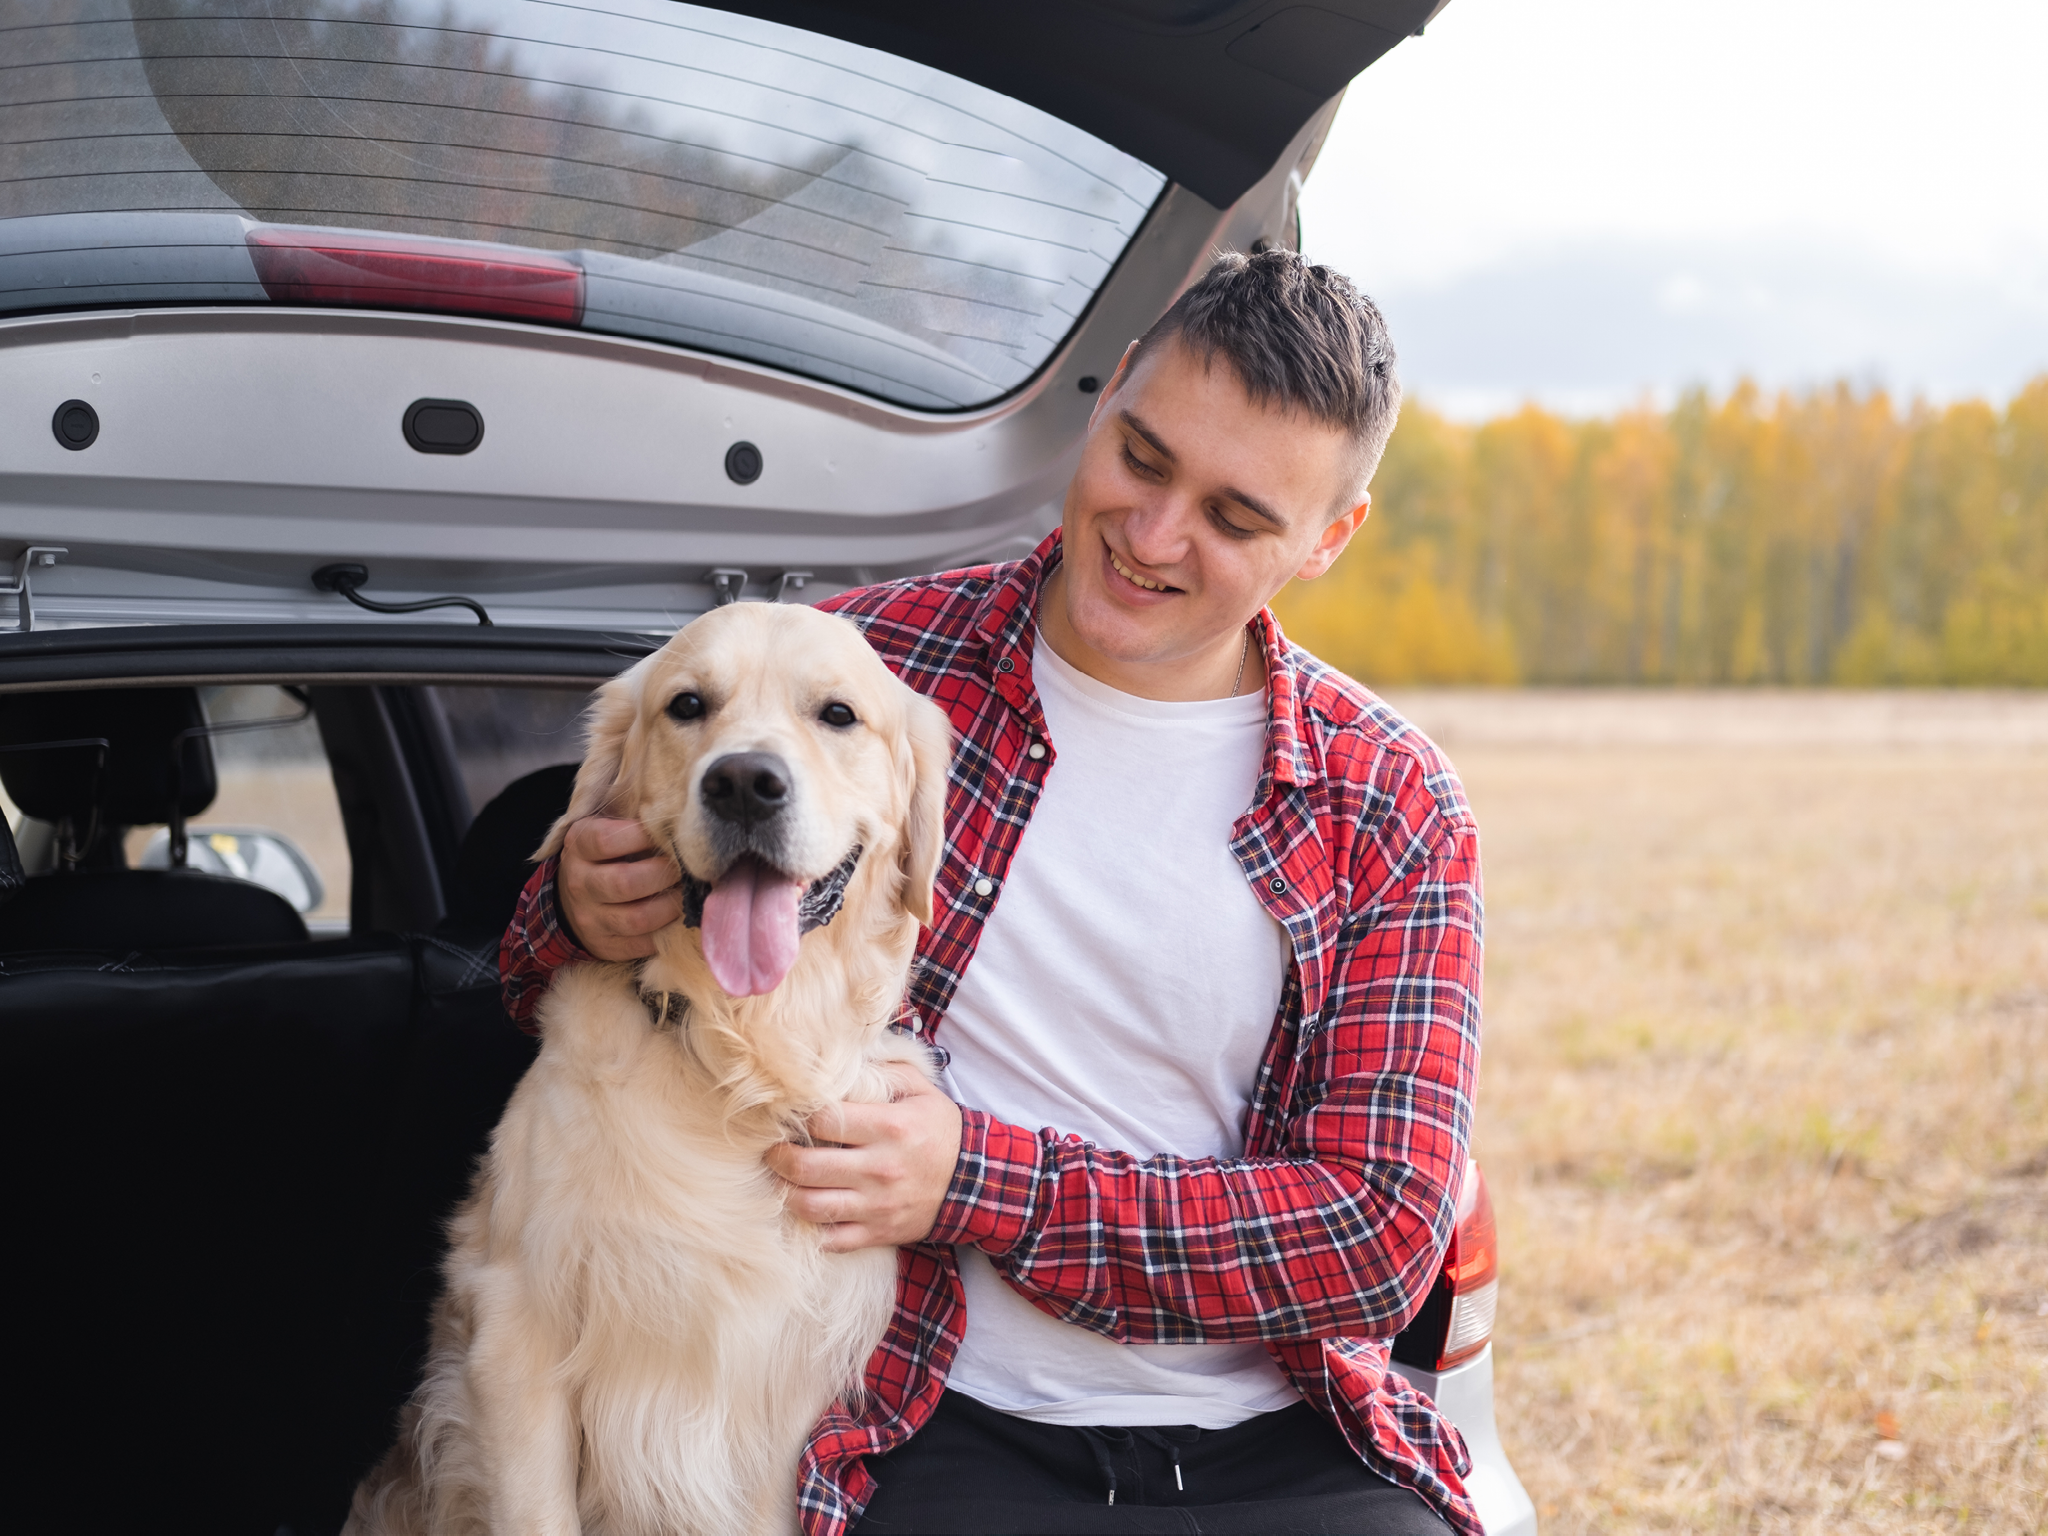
pixel 1764 1104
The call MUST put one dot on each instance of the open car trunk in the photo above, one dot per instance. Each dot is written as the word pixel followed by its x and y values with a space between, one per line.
pixel 597 313
pixel 583 318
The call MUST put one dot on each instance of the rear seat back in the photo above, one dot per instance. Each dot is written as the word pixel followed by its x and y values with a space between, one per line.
pixel 230 1175
pixel 95 762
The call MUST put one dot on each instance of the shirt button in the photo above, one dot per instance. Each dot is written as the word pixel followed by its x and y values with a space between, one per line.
pixel 1006 665
pixel 1277 885
pixel 984 886
pixel 1035 751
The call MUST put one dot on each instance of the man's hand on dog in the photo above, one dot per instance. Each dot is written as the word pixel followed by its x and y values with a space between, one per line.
pixel 884 1181
pixel 615 889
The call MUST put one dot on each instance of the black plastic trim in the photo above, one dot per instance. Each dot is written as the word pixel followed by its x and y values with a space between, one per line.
pixel 1421 1343
pixel 280 652
pixel 74 407
pixel 1207 91
pixel 743 463
pixel 432 435
pixel 420 726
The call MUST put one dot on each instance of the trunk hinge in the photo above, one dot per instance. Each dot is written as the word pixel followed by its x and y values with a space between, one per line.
pixel 727 582
pixel 36 555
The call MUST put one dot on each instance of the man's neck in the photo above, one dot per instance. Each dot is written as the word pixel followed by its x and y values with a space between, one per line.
pixel 1234 664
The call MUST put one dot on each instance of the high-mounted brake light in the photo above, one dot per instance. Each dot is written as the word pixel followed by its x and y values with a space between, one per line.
pixel 1456 1321
pixel 342 267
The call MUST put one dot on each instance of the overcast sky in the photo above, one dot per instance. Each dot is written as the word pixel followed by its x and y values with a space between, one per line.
pixel 1585 202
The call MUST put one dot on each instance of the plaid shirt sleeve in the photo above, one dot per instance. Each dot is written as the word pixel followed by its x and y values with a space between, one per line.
pixel 537 943
pixel 1339 1228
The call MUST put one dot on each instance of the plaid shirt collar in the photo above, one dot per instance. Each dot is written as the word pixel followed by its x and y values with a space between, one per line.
pixel 1007 618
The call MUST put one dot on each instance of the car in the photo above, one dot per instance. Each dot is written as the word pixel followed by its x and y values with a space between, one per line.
pixel 381 376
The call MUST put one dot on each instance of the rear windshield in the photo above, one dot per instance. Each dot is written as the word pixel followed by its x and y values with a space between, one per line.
pixel 639 167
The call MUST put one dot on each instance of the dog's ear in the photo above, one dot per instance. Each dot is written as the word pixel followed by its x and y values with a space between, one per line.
pixel 928 739
pixel 608 781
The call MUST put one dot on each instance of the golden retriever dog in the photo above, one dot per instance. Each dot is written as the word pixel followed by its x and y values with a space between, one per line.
pixel 633 1336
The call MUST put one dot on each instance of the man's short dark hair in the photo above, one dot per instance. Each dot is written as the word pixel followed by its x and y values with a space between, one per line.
pixel 1298 336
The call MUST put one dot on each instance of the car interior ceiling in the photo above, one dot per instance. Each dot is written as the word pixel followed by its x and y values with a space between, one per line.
pixel 235 1145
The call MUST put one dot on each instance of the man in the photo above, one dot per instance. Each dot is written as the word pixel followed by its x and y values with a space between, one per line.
pixel 1251 1033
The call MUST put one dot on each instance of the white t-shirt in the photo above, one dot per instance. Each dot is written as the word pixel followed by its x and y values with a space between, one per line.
pixel 1124 990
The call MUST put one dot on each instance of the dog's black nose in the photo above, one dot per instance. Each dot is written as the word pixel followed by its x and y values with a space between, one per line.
pixel 746 787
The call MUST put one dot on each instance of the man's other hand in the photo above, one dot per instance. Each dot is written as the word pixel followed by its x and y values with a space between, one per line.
pixel 885 1181
pixel 616 890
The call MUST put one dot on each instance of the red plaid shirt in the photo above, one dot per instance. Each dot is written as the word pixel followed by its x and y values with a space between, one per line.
pixel 1323 1239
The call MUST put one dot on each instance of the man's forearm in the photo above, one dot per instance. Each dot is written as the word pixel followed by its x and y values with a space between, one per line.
pixel 1170 1250
pixel 1337 1224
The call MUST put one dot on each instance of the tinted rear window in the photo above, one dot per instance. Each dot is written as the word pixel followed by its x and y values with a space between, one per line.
pixel 700 178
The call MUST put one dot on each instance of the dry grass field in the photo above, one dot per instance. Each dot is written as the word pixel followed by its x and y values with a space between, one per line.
pixel 1764 1104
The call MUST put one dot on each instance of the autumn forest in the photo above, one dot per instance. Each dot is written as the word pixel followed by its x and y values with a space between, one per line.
pixel 1835 537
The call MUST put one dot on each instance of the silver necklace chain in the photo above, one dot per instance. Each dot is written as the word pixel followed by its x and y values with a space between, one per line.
pixel 1243 655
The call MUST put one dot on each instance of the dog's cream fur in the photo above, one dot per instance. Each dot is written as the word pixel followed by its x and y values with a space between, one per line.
pixel 633 1336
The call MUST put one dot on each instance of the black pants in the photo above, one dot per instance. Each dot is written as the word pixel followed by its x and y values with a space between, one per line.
pixel 972 1471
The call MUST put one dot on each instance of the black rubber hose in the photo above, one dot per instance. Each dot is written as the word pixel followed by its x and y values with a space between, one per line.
pixel 346 578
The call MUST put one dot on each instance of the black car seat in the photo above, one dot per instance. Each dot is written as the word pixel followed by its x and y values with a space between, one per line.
pixel 229 1176
pixel 96 762
pixel 496 856
pixel 231 1172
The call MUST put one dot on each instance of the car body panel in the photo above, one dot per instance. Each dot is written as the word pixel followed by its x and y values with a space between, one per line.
pixel 240 448
pixel 1465 1394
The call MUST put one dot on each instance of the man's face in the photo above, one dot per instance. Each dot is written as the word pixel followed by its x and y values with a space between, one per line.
pixel 1191 508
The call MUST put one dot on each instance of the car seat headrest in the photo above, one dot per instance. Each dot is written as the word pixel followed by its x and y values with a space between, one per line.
pixel 132 780
pixel 496 856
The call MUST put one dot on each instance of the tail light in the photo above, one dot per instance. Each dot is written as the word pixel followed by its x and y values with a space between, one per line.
pixel 1456 1322
pixel 341 267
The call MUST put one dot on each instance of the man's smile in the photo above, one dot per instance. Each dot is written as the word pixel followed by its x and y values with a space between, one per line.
pixel 1134 578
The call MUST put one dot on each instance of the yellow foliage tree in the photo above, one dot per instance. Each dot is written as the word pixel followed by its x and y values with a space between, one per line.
pixel 1823 538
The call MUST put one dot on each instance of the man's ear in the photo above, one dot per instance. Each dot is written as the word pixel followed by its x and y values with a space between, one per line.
pixel 608 781
pixel 1334 538
pixel 925 757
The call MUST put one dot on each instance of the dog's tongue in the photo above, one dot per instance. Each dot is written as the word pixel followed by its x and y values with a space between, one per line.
pixel 749 928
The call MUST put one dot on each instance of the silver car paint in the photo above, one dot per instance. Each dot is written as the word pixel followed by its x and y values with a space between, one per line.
pixel 1465 1394
pixel 242 447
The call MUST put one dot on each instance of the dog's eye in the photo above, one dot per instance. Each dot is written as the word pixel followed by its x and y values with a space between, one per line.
pixel 685 706
pixel 838 714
